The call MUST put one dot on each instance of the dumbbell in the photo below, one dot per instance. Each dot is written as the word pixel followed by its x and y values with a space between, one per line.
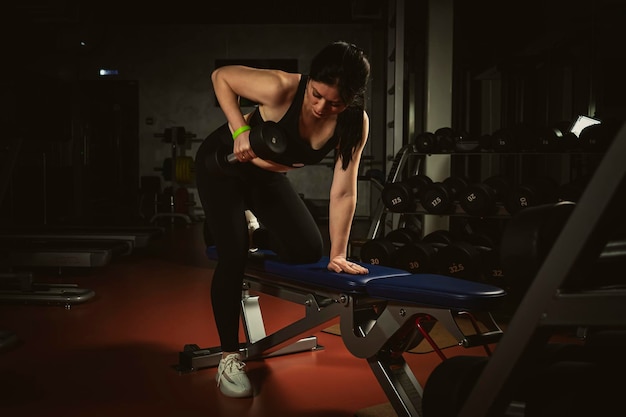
pixel 461 259
pixel 464 142
pixel 402 236
pixel 453 257
pixel 443 140
pixel 402 196
pixel 469 252
pixel 547 139
pixel 426 142
pixel 598 137
pixel 484 235
pixel 504 140
pixel 401 248
pixel 446 139
pixel 440 197
pixel 513 139
pixel 439 238
pixel 267 140
pixel 541 190
pixel 481 199
pixel 380 251
pixel 416 255
pixel 450 383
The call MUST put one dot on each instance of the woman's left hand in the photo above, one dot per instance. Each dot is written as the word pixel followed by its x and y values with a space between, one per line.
pixel 341 264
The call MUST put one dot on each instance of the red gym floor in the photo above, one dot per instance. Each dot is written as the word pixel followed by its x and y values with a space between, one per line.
pixel 113 356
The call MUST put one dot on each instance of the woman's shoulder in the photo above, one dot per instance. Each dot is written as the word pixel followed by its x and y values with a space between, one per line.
pixel 289 81
pixel 282 92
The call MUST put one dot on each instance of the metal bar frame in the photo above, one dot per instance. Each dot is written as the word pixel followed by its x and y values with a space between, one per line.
pixel 584 235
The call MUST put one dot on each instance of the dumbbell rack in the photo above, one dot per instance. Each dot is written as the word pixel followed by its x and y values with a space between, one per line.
pixel 401 161
pixel 174 136
pixel 517 166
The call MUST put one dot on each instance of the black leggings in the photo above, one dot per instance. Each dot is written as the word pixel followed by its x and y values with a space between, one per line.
pixel 295 236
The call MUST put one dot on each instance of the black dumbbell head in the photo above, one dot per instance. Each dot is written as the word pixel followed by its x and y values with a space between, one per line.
pixel 438 238
pixel 546 139
pixel 377 252
pixel 446 139
pixel 450 383
pixel 598 137
pixel 401 197
pixel 456 183
pixel 493 271
pixel 522 196
pixel 464 142
pixel 479 199
pixel 506 140
pixel 217 162
pixel 268 140
pixel 426 142
pixel 538 191
pixel 500 184
pixel 461 260
pixel 595 138
pixel 402 236
pixel 437 198
pixel 416 257
pixel 398 197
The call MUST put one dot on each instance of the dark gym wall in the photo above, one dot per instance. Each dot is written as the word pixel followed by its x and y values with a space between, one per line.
pixel 170 65
pixel 554 59
pixel 169 53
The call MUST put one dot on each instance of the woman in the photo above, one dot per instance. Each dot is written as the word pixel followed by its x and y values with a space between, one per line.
pixel 320 112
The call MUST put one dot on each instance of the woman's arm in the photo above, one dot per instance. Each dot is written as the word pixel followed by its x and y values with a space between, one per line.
pixel 343 198
pixel 273 90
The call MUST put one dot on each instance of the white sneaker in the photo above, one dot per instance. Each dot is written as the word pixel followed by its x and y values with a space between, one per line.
pixel 231 377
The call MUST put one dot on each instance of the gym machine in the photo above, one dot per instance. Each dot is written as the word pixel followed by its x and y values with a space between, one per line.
pixel 179 170
pixel 570 258
pixel 73 245
pixel 19 286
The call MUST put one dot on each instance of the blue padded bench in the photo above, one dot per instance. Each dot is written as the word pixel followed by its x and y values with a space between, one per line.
pixel 382 282
pixel 381 315
pixel 437 290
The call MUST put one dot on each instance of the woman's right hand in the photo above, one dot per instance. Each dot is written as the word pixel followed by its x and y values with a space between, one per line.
pixel 242 149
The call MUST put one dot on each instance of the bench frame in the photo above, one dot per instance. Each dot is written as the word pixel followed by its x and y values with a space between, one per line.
pixel 372 328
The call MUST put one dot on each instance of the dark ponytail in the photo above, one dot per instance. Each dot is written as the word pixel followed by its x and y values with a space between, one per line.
pixel 344 65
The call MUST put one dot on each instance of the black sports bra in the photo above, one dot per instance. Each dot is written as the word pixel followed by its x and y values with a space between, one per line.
pixel 299 151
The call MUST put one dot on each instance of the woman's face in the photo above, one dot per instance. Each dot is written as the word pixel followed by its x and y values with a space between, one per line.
pixel 325 99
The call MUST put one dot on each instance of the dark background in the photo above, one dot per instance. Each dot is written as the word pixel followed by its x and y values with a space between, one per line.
pixel 530 45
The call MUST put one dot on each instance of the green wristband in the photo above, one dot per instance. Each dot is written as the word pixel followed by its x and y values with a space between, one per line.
pixel 240 131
